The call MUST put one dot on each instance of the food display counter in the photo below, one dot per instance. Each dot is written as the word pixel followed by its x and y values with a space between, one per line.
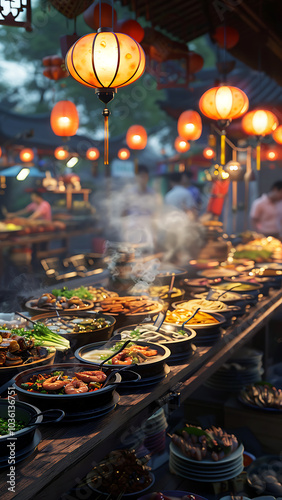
pixel 67 452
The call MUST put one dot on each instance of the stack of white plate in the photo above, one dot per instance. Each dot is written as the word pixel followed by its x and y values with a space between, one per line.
pixel 206 471
pixel 243 369
pixel 155 432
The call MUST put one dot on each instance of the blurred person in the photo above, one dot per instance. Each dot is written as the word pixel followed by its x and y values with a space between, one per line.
pixel 179 196
pixel 39 209
pixel 218 194
pixel 186 177
pixel 266 212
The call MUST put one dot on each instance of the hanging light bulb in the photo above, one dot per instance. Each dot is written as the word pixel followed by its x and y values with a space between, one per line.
pixel 23 173
pixel 209 153
pixel 26 155
pixel 271 155
pixel 61 153
pixel 92 154
pixel 260 123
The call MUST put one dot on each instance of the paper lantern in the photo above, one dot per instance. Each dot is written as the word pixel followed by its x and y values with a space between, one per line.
pixel 91 16
pixel 92 154
pixel 0 152
pixel 26 155
pixel 106 61
pixel 196 62
pixel 226 36
pixel 234 169
pixel 224 103
pixel 136 137
pixel 181 145
pixel 259 122
pixel 189 125
pixel 209 153
pixel 123 154
pixel 132 28
pixel 61 153
pixel 64 119
pixel 277 134
pixel 271 155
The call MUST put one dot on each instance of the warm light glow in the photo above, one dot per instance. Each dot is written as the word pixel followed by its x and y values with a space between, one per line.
pixel 271 155
pixel 277 134
pixel 259 122
pixel 64 119
pixel 123 154
pixel 224 175
pixel 26 155
pixel 106 59
pixel 92 154
pixel 72 162
pixel 189 125
pixel 22 175
pixel 181 145
pixel 224 103
pixel 209 153
pixel 136 137
pixel 0 152
pixel 61 153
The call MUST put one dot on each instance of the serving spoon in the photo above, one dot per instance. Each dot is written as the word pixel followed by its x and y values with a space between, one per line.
pixel 191 317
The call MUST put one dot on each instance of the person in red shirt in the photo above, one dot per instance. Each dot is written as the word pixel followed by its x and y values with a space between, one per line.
pixel 39 209
pixel 218 193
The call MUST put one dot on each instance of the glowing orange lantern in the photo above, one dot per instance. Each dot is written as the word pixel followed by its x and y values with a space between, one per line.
pixel 189 125
pixel 132 28
pixel 26 155
pixel 136 137
pixel 64 119
pixel 181 145
pixel 260 122
pixel 0 152
pixel 92 154
pixel 123 154
pixel 61 153
pixel 209 153
pixel 106 61
pixel 226 37
pixel 224 103
pixel 271 155
pixel 277 134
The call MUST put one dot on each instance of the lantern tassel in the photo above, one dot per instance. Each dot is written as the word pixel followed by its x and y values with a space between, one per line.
pixel 106 136
pixel 258 157
pixel 222 144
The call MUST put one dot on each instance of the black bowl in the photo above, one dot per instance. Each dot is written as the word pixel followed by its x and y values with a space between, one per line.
pixel 208 329
pixel 79 339
pixel 67 402
pixel 175 347
pixel 23 412
pixel 148 369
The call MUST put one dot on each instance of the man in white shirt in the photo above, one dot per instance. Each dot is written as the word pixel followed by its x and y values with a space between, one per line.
pixel 266 212
pixel 179 197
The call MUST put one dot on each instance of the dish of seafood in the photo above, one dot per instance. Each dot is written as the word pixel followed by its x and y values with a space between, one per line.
pixel 199 444
pixel 179 316
pixel 70 324
pixel 131 476
pixel 262 396
pixel 130 305
pixel 131 354
pixel 18 350
pixel 48 301
pixel 265 475
pixel 57 382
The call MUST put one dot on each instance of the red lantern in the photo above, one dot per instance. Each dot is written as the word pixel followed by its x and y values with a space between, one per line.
pixel 271 155
pixel 92 154
pixel 64 119
pixel 196 62
pixel 226 37
pixel 189 125
pixel 277 134
pixel 26 155
pixel 123 154
pixel 136 137
pixel 0 152
pixel 61 153
pixel 92 16
pixel 132 28
pixel 181 145
pixel 209 153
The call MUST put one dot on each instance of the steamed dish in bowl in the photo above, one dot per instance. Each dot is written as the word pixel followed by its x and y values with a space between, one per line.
pixel 205 305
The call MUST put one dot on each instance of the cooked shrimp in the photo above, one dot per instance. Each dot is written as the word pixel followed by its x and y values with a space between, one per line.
pixel 95 376
pixel 53 384
pixel 76 387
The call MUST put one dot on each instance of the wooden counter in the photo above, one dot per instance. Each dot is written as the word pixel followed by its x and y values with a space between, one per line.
pixel 67 452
